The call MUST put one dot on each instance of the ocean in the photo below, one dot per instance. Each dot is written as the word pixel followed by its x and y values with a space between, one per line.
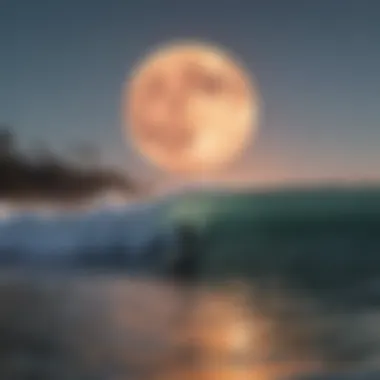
pixel 288 285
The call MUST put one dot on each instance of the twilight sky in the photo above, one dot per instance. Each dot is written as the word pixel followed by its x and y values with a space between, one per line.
pixel 63 64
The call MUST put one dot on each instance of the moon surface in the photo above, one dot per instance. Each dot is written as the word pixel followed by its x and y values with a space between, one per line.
pixel 190 107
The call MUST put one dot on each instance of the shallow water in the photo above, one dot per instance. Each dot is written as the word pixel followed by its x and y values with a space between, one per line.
pixel 117 327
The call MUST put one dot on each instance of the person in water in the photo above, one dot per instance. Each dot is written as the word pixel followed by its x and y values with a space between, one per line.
pixel 185 274
pixel 185 269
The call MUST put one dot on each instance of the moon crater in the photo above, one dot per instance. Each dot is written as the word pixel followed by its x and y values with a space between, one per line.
pixel 190 107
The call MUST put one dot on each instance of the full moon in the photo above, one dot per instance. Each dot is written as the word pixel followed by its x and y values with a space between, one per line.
pixel 190 107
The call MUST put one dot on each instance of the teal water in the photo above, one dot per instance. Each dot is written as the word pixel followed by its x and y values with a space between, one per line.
pixel 315 240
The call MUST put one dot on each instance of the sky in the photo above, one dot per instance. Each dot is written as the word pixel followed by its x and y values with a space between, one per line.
pixel 63 65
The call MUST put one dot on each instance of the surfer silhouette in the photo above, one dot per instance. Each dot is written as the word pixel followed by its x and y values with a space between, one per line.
pixel 185 269
pixel 185 274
